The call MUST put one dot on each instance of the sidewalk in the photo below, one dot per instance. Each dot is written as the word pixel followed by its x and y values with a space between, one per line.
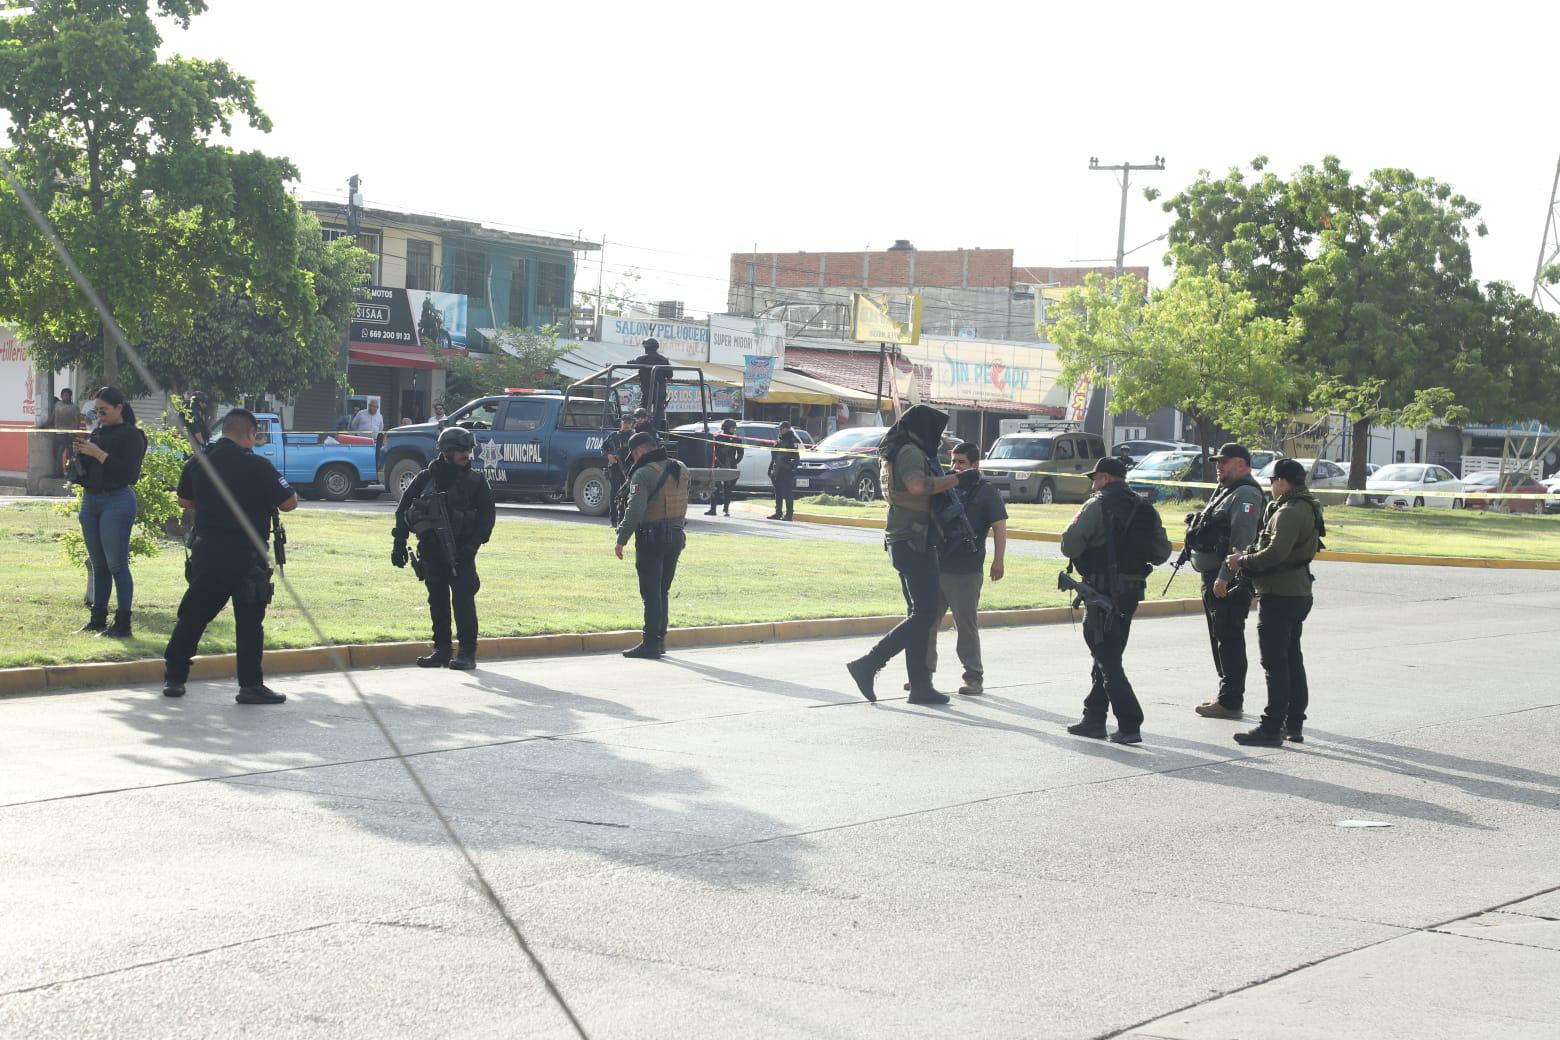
pixel 730 843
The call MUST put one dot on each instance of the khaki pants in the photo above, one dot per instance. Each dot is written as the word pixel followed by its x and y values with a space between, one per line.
pixel 960 594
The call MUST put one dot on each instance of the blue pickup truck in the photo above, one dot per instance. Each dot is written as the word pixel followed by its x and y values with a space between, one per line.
pixel 530 444
pixel 324 465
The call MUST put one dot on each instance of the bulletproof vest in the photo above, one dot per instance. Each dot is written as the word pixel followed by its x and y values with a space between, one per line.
pixel 896 495
pixel 460 498
pixel 1209 530
pixel 671 501
pixel 1129 528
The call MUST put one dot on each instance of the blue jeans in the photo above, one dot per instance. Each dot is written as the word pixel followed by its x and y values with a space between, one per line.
pixel 106 519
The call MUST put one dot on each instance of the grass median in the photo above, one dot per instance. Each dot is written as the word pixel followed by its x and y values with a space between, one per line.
pixel 1415 532
pixel 537 578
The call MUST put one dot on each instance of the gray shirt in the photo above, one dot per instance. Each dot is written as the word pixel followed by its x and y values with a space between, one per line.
pixel 1244 505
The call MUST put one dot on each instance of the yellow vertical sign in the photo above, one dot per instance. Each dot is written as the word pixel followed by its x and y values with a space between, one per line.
pixel 884 317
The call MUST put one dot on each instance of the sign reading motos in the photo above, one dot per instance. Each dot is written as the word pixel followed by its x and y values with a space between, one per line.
pixel 885 317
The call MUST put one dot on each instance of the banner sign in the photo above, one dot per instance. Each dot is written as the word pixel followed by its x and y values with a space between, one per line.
pixel 17 382
pixel 680 340
pixel 410 318
pixel 683 398
pixel 733 339
pixel 885 317
pixel 1078 406
pixel 758 373
pixel 1020 377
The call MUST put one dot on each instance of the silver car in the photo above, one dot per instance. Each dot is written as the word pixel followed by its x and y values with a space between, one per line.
pixel 1412 485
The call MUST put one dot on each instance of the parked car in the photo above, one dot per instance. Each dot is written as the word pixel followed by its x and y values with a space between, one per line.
pixel 1137 451
pixel 1319 473
pixel 1166 465
pixel 1411 484
pixel 1511 484
pixel 846 463
pixel 321 465
pixel 1043 465
pixel 1262 459
pixel 753 470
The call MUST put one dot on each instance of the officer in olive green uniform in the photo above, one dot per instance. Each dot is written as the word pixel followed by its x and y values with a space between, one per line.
pixel 1229 521
pixel 655 516
pixel 1280 567
pixel 1115 539
pixel 910 477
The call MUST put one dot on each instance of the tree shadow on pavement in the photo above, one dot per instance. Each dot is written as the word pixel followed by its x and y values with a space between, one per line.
pixel 506 774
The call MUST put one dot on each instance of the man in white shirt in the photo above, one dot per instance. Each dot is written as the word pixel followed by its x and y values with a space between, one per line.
pixel 438 414
pixel 369 420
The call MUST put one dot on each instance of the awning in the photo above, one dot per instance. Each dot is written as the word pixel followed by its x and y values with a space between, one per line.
pixel 390 358
pixel 794 388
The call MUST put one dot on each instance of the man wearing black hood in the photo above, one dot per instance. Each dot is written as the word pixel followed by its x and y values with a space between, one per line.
pixel 468 500
pixel 224 563
pixel 910 477
pixel 654 375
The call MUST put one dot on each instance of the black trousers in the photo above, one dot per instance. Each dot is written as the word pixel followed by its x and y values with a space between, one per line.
pixel 655 558
pixel 615 482
pixel 784 480
pixel 920 581
pixel 720 494
pixel 215 581
pixel 1227 636
pixel 1280 620
pixel 458 590
pixel 1106 635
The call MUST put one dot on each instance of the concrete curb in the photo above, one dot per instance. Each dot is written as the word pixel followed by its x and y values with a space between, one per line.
pixel 1400 559
pixel 18 682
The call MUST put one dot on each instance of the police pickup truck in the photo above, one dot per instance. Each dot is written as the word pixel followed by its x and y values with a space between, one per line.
pixel 530 444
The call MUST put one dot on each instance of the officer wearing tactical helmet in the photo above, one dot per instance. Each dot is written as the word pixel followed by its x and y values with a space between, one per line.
pixel 1229 521
pixel 450 507
pixel 655 516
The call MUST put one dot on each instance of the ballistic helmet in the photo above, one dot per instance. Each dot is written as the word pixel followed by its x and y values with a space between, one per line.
pixel 456 437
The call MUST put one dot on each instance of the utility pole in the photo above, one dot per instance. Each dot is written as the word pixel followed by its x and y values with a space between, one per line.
pixel 1107 424
pixel 354 202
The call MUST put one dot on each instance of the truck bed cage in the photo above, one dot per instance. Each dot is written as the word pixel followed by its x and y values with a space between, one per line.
pixel 606 385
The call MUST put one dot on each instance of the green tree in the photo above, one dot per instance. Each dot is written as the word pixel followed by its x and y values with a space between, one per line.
pixel 116 147
pixel 525 357
pixel 235 351
pixel 1198 345
pixel 1390 324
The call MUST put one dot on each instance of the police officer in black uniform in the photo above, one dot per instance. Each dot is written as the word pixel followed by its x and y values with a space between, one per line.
pixel 655 518
pixel 450 507
pixel 223 563
pixel 727 455
pixel 1229 521
pixel 655 376
pixel 616 448
pixel 782 471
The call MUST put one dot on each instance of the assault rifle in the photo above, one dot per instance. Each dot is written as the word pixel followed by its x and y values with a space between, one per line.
pixel 430 512
pixel 1083 592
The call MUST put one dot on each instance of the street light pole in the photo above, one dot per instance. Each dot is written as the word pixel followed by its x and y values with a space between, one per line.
pixel 1107 424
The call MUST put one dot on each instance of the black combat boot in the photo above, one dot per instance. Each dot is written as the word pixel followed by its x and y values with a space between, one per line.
pixel 1260 737
pixel 120 629
pixel 172 689
pixel 1092 728
pixel 97 622
pixel 710 511
pixel 648 649
pixel 438 659
pixel 864 670
pixel 927 696
pixel 465 659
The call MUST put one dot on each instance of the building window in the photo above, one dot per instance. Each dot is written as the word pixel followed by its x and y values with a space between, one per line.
pixel 552 291
pixel 419 264
pixel 517 292
pixel 366 240
pixel 468 273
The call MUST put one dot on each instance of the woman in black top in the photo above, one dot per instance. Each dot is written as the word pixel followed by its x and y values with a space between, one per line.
pixel 107 464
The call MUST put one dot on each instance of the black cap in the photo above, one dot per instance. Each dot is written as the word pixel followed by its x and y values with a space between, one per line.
pixel 1234 451
pixel 640 413
pixel 785 423
pixel 651 344
pixel 728 424
pixel 1109 464
pixel 644 438
pixel 1290 470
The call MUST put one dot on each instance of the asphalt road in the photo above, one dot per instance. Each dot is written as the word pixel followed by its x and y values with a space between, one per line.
pixel 731 843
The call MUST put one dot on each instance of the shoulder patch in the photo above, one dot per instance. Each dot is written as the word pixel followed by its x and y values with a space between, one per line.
pixel 281 480
pixel 1247 508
